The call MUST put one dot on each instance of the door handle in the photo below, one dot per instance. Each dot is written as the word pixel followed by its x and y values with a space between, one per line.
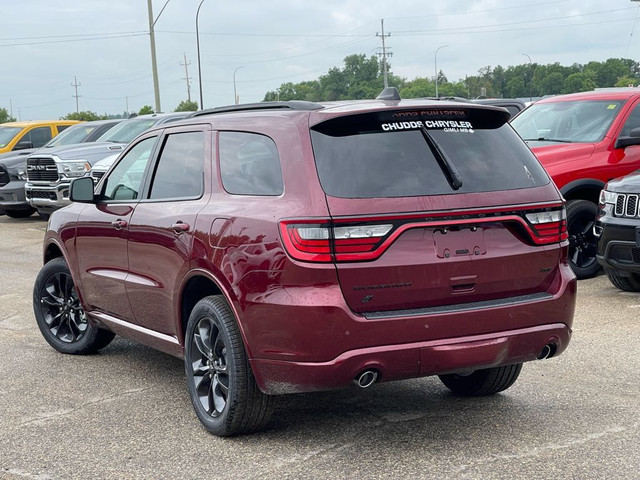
pixel 180 227
pixel 119 224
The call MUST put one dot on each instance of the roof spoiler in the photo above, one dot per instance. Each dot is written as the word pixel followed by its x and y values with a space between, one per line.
pixel 389 93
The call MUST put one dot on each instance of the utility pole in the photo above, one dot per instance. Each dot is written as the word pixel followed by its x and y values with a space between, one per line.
pixel 76 85
pixel 384 52
pixel 186 77
pixel 154 63
pixel 10 108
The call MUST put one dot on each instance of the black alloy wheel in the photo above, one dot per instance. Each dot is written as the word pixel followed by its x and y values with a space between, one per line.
pixel 581 216
pixel 223 391
pixel 59 314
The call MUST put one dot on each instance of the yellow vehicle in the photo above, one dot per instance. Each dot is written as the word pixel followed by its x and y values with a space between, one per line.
pixel 32 134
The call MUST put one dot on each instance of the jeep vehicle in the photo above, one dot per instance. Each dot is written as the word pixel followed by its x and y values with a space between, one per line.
pixel 617 229
pixel 13 165
pixel 584 140
pixel 50 173
pixel 31 134
pixel 292 247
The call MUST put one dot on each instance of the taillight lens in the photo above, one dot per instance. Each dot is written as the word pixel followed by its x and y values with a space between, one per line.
pixel 550 226
pixel 320 242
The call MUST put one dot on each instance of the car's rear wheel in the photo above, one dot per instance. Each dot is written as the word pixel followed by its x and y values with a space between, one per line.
pixel 221 385
pixel 629 283
pixel 482 382
pixel 60 315
pixel 581 215
pixel 20 213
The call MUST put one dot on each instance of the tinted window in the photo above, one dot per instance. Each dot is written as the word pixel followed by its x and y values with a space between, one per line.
pixel 180 168
pixel 75 134
pixel 38 136
pixel 126 131
pixel 125 179
pixel 62 128
pixel 368 156
pixel 249 164
pixel 579 121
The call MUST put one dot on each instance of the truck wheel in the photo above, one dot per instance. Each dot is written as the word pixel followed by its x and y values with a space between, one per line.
pixel 482 382
pixel 20 213
pixel 581 215
pixel 221 386
pixel 628 284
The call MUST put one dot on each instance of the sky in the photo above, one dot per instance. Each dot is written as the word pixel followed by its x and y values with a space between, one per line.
pixel 104 46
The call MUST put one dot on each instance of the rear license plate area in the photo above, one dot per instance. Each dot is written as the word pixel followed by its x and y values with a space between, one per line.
pixel 460 242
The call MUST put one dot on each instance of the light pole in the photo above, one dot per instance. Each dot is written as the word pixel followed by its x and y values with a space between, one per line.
pixel 154 63
pixel 531 80
pixel 435 61
pixel 198 46
pixel 235 95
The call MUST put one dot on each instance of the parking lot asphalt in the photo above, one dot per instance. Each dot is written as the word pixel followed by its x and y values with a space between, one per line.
pixel 125 413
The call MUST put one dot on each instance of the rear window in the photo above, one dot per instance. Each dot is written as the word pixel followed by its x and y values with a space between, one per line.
pixel 419 153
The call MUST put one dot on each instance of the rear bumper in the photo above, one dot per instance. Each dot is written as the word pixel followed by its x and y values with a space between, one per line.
pixel 326 348
pixel 396 362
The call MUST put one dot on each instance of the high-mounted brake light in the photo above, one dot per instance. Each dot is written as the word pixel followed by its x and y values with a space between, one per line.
pixel 550 226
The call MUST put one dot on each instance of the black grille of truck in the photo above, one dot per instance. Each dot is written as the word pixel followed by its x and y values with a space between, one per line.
pixel 41 170
pixel 627 205
pixel 4 177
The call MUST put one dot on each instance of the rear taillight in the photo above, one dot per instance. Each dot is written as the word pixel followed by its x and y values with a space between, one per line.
pixel 549 226
pixel 322 242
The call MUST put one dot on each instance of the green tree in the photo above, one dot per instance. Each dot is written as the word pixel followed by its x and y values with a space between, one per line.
pixel 86 116
pixel 187 106
pixel 578 82
pixel 146 110
pixel 5 117
pixel 626 81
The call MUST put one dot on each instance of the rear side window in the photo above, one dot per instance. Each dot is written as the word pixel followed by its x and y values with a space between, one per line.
pixel 38 136
pixel 420 153
pixel 249 164
pixel 179 173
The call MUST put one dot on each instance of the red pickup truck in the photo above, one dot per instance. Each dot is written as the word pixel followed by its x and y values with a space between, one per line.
pixel 584 140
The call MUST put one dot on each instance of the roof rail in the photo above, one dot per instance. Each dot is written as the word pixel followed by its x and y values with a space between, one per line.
pixel 290 105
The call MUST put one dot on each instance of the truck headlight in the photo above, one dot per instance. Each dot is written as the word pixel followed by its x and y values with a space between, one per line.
pixel 607 197
pixel 75 169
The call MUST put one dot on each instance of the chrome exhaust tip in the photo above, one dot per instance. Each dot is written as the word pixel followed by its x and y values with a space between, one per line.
pixel 366 378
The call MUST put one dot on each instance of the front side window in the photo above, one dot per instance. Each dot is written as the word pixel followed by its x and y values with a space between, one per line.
pixel 249 164
pixel 582 121
pixel 38 136
pixel 180 169
pixel 125 180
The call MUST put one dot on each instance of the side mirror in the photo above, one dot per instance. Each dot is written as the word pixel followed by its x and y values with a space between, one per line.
pixel 81 190
pixel 632 139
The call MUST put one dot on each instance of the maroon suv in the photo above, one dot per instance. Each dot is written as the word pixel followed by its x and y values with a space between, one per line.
pixel 292 247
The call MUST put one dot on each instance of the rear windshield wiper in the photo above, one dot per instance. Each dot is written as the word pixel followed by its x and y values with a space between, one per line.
pixel 546 139
pixel 448 168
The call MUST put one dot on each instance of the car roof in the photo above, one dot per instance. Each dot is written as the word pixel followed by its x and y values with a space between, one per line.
pixel 597 94
pixel 27 123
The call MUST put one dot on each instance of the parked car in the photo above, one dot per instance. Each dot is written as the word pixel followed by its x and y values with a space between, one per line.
pixel 584 140
pixel 513 105
pixel 31 134
pixel 50 173
pixel 617 229
pixel 13 166
pixel 291 247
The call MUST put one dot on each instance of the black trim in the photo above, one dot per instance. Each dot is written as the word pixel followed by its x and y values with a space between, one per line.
pixel 459 307
pixel 290 105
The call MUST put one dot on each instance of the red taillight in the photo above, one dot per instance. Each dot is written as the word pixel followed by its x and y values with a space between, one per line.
pixel 320 242
pixel 549 226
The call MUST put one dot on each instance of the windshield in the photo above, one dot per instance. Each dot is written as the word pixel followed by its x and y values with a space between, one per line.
pixel 581 121
pixel 366 156
pixel 71 135
pixel 7 134
pixel 126 131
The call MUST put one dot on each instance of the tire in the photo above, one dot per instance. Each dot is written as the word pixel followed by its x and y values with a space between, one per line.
pixel 44 215
pixel 20 213
pixel 628 284
pixel 581 215
pixel 482 382
pixel 60 315
pixel 223 391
